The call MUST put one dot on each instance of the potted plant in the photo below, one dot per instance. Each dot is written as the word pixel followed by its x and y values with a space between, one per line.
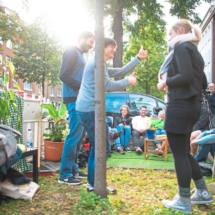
pixel 58 129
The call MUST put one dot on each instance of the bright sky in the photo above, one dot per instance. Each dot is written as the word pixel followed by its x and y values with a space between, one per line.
pixel 69 17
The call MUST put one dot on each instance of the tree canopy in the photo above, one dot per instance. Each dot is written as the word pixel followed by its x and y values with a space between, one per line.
pixel 38 58
pixel 11 27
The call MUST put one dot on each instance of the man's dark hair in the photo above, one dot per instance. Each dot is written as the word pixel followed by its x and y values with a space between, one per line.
pixel 85 35
pixel 143 107
pixel 109 41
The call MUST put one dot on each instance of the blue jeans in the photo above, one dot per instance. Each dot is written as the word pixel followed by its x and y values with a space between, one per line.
pixel 159 132
pixel 124 138
pixel 204 150
pixel 72 145
pixel 87 119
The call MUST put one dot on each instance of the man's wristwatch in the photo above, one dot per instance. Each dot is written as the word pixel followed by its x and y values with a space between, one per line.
pixel 138 57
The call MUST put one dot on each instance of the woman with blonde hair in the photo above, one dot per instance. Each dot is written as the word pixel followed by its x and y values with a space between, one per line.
pixel 182 74
pixel 123 123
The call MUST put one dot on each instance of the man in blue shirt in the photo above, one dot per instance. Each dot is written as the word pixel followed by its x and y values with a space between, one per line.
pixel 85 105
pixel 71 72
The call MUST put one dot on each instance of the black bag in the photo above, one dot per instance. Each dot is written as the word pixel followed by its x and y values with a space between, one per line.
pixel 15 177
pixel 206 168
pixel 83 158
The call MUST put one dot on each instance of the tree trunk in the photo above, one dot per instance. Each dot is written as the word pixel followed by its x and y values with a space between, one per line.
pixel 100 113
pixel 43 85
pixel 118 36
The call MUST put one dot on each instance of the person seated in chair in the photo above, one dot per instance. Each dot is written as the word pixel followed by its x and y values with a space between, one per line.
pixel 113 134
pixel 139 124
pixel 201 126
pixel 122 123
pixel 159 124
pixel 207 141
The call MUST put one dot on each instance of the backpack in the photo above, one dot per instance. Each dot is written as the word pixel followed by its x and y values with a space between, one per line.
pixel 8 143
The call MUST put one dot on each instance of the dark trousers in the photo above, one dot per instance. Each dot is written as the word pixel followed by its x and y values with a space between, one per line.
pixel 136 138
pixel 186 165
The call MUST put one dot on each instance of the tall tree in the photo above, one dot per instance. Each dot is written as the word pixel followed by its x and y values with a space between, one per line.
pixel 38 58
pixel 11 27
pixel 148 30
pixel 121 9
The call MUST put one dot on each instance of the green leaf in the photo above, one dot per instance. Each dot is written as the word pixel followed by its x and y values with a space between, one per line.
pixel 11 94
pixel 12 68
pixel 62 110
pixel 16 84
pixel 7 78
pixel 50 108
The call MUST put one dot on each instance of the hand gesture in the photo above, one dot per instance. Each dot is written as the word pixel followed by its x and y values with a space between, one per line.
pixel 161 86
pixel 132 80
pixel 142 53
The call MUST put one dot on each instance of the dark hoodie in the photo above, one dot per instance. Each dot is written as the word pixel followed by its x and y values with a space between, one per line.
pixel 121 120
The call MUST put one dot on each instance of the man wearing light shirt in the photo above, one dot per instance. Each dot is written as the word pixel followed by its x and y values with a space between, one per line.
pixel 139 125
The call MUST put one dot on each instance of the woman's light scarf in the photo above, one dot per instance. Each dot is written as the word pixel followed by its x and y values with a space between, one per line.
pixel 175 41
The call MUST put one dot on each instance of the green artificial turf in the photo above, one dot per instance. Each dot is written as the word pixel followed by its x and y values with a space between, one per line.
pixel 133 160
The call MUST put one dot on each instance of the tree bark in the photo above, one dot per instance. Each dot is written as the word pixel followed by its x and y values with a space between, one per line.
pixel 118 36
pixel 100 111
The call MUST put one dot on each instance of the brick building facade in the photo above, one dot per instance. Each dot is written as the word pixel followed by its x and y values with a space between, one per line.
pixel 6 53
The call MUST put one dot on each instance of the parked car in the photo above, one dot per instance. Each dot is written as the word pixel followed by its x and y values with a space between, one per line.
pixel 134 101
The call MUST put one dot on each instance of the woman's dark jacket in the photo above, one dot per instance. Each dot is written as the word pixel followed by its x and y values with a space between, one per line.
pixel 186 78
pixel 120 120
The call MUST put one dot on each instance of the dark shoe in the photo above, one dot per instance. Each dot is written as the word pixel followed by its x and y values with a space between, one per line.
pixel 120 150
pixel 116 135
pixel 139 151
pixel 70 181
pixel 111 191
pixel 80 175
pixel 90 188
pixel 127 149
pixel 160 155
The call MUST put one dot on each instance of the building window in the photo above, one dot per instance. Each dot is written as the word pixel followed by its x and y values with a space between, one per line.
pixel 8 59
pixel 51 91
pixel 9 44
pixel 59 93
pixel 1 41
pixel 1 59
pixel 39 88
pixel 28 86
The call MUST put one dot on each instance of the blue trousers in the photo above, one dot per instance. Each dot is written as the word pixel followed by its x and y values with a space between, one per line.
pixel 72 145
pixel 159 132
pixel 204 150
pixel 87 119
pixel 124 138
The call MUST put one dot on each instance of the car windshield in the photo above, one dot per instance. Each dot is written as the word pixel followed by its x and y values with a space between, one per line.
pixel 148 105
pixel 138 101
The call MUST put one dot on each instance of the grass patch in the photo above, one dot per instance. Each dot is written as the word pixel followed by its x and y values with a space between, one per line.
pixel 139 191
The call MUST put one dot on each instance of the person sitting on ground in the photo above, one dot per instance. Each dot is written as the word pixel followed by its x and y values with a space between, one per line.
pixel 201 126
pixel 113 134
pixel 159 124
pixel 139 124
pixel 122 123
pixel 207 141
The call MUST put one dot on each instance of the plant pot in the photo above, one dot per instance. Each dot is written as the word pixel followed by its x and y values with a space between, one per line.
pixel 53 150
pixel 151 133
